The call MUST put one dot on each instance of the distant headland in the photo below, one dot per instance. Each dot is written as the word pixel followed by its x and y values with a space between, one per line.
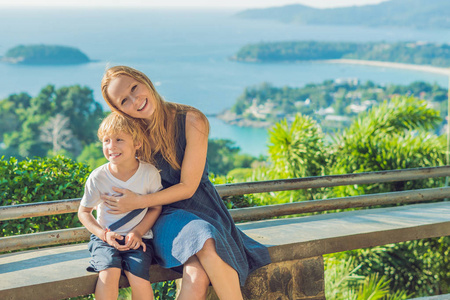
pixel 413 53
pixel 393 13
pixel 45 55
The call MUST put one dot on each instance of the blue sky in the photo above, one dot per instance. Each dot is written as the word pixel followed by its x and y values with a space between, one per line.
pixel 184 3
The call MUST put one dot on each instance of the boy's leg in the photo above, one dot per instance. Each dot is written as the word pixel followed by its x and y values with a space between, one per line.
pixel 107 262
pixel 108 284
pixel 136 265
pixel 141 289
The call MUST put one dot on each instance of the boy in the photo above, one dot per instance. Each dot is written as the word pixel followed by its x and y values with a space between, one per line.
pixel 123 244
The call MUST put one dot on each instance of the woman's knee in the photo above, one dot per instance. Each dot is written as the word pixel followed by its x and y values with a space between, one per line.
pixel 209 249
pixel 195 273
pixel 195 280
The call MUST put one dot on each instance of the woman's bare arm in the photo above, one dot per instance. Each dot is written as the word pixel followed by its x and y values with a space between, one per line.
pixel 191 173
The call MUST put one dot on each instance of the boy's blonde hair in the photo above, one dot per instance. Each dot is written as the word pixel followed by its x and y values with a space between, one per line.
pixel 116 123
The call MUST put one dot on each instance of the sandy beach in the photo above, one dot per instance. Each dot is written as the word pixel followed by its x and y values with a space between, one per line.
pixel 423 68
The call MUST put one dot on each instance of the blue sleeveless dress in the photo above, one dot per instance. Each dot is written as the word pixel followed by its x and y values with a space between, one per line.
pixel 184 226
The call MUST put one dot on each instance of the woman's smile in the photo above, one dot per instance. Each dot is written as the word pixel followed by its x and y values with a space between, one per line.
pixel 131 97
pixel 143 105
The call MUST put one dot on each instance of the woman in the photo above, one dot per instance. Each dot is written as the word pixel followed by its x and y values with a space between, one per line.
pixel 195 232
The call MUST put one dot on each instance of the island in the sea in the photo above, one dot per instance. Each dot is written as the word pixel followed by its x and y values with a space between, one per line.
pixel 333 103
pixel 418 53
pixel 45 55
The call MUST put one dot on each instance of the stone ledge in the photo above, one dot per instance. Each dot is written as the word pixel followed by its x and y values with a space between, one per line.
pixel 438 297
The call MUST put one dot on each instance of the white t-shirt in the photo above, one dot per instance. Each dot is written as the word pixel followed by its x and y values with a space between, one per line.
pixel 146 180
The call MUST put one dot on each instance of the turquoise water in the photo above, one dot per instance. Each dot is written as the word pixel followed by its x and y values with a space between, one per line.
pixel 185 53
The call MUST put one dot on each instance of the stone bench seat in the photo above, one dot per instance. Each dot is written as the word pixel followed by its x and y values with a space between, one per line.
pixel 296 246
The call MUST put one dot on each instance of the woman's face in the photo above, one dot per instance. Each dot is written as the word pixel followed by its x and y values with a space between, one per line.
pixel 131 97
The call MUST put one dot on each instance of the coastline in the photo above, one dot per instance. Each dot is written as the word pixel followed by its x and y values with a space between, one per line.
pixel 376 63
pixel 232 119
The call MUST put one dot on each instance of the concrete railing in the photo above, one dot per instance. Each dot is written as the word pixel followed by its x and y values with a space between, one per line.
pixel 290 244
pixel 64 236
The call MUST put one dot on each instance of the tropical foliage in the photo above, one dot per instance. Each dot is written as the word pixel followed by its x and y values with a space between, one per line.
pixel 92 155
pixel 56 121
pixel 420 267
pixel 224 156
pixel 343 281
pixel 394 135
pixel 39 180
pixel 397 134
pixel 301 143
pixel 295 150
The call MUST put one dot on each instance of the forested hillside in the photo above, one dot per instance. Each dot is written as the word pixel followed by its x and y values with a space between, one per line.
pixel 401 13
pixel 333 103
pixel 419 53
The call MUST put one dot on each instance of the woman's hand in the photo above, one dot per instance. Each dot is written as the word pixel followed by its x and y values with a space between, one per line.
pixel 133 240
pixel 126 202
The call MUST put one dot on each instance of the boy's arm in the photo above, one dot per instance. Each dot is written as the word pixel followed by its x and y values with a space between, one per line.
pixel 134 237
pixel 87 219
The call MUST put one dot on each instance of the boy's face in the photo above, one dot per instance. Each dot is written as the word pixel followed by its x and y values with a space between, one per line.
pixel 119 148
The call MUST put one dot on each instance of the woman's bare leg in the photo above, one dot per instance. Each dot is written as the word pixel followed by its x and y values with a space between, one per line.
pixel 195 282
pixel 224 278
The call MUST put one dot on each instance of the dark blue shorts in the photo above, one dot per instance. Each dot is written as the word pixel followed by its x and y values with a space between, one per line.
pixel 105 256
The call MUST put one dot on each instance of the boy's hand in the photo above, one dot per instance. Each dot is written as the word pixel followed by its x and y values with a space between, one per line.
pixel 112 237
pixel 133 240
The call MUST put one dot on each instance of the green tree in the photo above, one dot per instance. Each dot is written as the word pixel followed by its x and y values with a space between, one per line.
pixel 56 133
pixel 92 155
pixel 343 281
pixel 26 141
pixel 224 156
pixel 85 114
pixel 30 116
pixel 11 109
pixel 393 135
pixel 295 150
pixel 220 155
pixel 39 180
pixel 396 135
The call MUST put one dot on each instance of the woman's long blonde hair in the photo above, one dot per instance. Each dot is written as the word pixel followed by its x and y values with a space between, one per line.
pixel 160 129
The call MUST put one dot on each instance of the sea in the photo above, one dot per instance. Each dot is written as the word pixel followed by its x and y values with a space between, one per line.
pixel 186 53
